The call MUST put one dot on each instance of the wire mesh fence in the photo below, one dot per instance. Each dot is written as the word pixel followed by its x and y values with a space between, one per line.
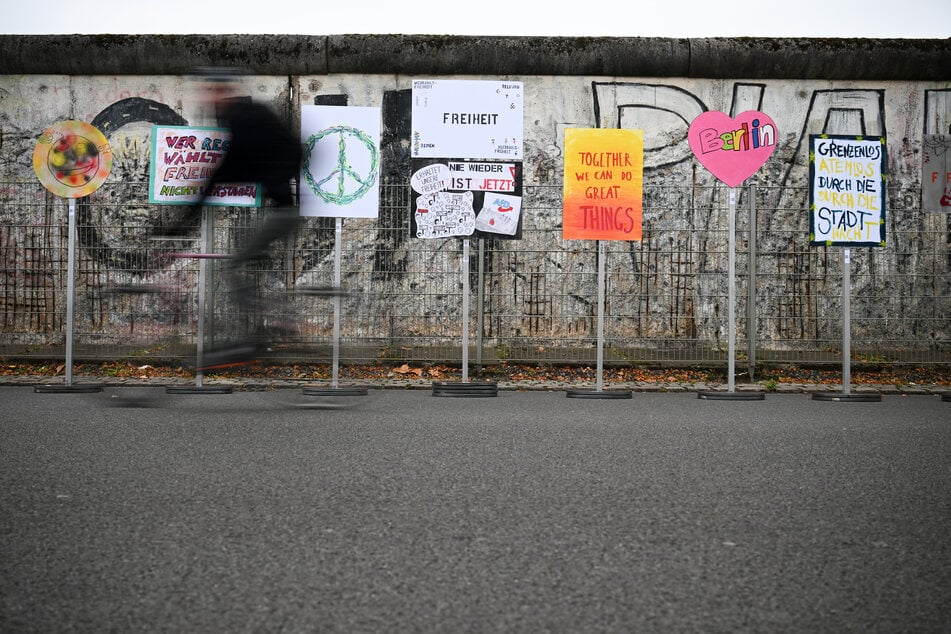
pixel 533 300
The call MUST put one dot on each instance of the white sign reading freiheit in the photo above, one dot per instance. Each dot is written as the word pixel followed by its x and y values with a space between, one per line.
pixel 467 119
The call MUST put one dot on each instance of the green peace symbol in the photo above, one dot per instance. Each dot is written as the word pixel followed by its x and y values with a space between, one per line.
pixel 343 168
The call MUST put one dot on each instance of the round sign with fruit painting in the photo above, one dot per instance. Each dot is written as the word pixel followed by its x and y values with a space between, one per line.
pixel 72 159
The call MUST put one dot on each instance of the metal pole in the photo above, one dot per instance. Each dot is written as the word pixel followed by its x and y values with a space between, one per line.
pixel 480 304
pixel 70 288
pixel 338 233
pixel 208 246
pixel 846 323
pixel 600 383
pixel 731 300
pixel 465 310
pixel 751 289
pixel 202 293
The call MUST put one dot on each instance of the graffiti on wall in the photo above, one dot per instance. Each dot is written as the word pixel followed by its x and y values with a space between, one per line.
pixel 127 124
pixel 678 251
pixel 663 111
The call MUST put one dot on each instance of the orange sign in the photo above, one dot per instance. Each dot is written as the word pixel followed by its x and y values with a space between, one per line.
pixel 604 180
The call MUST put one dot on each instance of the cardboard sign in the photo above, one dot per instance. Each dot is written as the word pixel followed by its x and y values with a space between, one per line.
pixel 847 190
pixel 603 184
pixel 467 119
pixel 184 160
pixel 340 173
pixel 732 149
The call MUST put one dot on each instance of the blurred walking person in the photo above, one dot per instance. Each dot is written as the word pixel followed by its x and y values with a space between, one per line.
pixel 264 151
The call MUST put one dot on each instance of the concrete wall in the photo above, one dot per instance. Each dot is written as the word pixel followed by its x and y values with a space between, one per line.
pixel 893 87
pixel 897 88
pixel 748 58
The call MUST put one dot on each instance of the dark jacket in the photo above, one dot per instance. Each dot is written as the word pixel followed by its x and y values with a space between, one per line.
pixel 262 148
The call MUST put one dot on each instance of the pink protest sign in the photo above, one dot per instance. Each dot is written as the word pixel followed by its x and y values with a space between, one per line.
pixel 732 148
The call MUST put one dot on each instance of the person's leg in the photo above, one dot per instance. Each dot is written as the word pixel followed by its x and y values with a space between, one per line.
pixel 278 223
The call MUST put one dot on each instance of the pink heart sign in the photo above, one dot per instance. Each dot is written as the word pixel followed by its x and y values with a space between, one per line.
pixel 732 148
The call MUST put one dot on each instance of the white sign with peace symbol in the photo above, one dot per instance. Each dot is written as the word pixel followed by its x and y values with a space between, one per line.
pixel 340 173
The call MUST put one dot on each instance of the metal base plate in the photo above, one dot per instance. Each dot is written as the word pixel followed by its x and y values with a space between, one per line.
pixel 339 390
pixel 599 394
pixel 465 388
pixel 63 388
pixel 732 396
pixel 846 398
pixel 198 389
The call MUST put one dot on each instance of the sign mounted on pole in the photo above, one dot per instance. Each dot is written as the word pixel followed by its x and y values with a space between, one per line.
pixel 467 119
pixel 847 190
pixel 340 173
pixel 183 161
pixel 72 159
pixel 603 184
pixel 466 159
pixel 732 148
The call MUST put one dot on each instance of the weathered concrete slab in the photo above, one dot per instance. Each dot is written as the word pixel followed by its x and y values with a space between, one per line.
pixel 776 58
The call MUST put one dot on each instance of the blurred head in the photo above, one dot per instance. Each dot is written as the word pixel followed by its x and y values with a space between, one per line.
pixel 217 85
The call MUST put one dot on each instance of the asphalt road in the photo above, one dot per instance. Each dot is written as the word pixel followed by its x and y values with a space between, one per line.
pixel 528 512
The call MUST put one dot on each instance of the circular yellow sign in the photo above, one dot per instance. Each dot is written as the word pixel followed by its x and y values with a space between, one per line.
pixel 72 159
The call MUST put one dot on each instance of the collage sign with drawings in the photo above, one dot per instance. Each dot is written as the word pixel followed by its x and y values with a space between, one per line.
pixel 467 158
